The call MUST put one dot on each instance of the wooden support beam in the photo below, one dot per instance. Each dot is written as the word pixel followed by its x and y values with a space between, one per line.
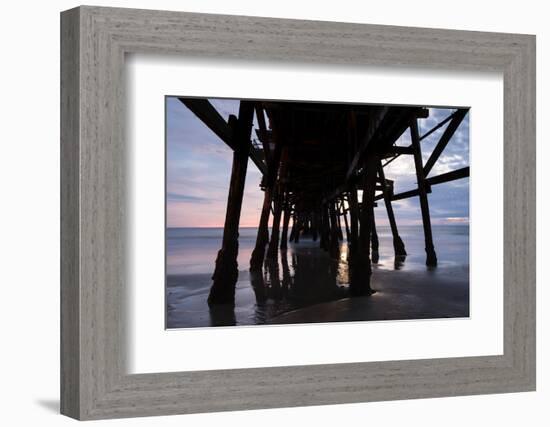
pixel 257 160
pixel 324 241
pixel 293 228
pixel 431 258
pixel 275 227
pixel 359 263
pixel 286 220
pixel 434 180
pixel 226 271
pixel 205 111
pixel 437 126
pixel 390 160
pixel 345 215
pixel 455 122
pixel 298 231
pixel 263 131
pixel 314 226
pixel 375 120
pixel 449 176
pixel 401 150
pixel 262 238
pixel 398 246
pixel 374 240
pixel 334 237
pixel 354 216
pixel 338 222
pixel 278 200
pixel 367 204
pixel 387 132
pixel 408 194
pixel 261 118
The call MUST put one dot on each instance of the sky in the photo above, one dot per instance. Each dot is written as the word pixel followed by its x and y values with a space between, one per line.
pixel 198 169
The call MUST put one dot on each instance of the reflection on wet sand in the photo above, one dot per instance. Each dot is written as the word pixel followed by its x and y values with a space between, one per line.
pixel 296 279
pixel 222 315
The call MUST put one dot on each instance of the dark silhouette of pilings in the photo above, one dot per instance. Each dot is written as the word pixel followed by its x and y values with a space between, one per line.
pixel 367 205
pixel 325 229
pixel 398 245
pixel 314 226
pixel 338 222
pixel 226 270
pixel 334 236
pixel 354 217
pixel 431 258
pixel 278 202
pixel 359 261
pixel 286 221
pixel 277 209
pixel 297 228
pixel 262 238
pixel 345 215
pixel 293 228
pixel 374 240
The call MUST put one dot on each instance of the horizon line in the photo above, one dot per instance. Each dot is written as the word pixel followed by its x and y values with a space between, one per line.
pixel 457 223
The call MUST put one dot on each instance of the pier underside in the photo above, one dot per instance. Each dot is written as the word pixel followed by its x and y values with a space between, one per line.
pixel 322 169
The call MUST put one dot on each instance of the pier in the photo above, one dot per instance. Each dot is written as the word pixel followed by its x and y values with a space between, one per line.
pixel 322 168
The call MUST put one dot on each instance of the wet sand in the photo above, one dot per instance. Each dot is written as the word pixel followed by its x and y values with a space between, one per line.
pixel 398 296
pixel 306 286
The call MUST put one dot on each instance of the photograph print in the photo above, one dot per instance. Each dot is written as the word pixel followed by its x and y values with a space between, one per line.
pixel 293 212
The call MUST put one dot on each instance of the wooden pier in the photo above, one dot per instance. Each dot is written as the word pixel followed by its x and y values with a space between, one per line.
pixel 313 159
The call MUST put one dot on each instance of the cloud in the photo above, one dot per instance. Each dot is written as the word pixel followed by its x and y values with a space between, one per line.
pixel 185 198
pixel 458 220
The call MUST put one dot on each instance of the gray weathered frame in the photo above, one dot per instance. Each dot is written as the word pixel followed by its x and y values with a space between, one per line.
pixel 94 41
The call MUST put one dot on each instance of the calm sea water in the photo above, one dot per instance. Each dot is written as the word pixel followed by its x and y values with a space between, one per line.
pixel 194 250
pixel 305 276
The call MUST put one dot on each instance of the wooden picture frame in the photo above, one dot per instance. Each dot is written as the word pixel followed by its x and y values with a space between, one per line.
pixel 94 382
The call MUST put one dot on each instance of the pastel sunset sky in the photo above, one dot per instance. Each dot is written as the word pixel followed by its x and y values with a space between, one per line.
pixel 199 167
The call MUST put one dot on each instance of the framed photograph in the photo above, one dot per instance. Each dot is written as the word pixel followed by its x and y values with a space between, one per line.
pixel 262 213
pixel 313 220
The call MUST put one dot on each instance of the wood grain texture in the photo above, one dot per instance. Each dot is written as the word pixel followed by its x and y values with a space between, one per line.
pixel 70 263
pixel 94 272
